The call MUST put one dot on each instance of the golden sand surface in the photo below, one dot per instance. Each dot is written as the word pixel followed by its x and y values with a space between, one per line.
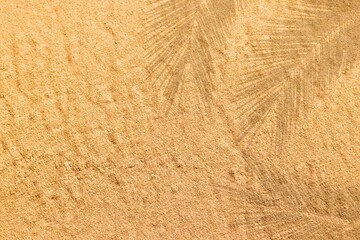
pixel 179 119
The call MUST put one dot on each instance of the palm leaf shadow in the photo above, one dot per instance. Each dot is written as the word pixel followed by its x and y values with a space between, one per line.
pixel 291 207
pixel 184 32
pixel 294 58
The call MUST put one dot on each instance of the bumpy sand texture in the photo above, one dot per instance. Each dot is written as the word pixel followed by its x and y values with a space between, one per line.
pixel 179 119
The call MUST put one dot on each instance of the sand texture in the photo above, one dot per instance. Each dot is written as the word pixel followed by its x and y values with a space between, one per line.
pixel 179 119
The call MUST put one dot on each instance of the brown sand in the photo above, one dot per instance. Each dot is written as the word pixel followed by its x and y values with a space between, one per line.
pixel 88 152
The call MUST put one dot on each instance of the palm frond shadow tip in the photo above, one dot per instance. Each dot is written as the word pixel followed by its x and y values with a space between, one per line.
pixel 295 57
pixel 183 33
pixel 288 206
